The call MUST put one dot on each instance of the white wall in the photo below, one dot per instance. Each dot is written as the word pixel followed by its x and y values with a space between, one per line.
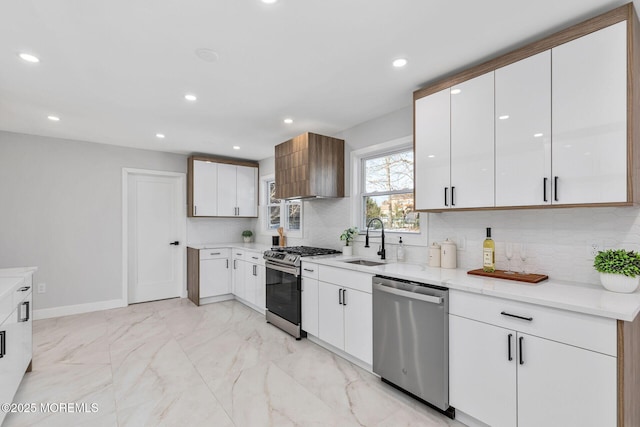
pixel 62 211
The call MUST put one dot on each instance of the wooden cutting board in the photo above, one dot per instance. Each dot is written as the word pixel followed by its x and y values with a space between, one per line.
pixel 502 274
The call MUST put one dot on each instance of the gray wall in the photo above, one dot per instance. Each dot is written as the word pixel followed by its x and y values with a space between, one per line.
pixel 62 211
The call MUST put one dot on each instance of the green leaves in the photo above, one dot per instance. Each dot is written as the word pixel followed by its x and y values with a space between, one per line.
pixel 348 234
pixel 618 261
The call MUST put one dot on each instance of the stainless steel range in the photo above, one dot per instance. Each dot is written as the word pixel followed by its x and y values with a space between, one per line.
pixel 283 283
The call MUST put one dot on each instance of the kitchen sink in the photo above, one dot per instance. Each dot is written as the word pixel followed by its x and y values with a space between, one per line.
pixel 364 262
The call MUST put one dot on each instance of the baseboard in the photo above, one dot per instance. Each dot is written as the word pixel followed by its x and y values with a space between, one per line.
pixel 48 313
pixel 219 298
pixel 341 353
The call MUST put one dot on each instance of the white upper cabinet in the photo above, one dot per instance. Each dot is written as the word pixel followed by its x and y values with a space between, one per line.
pixel 205 174
pixel 246 194
pixel 523 132
pixel 472 134
pixel 226 190
pixel 590 118
pixel 222 189
pixel 432 151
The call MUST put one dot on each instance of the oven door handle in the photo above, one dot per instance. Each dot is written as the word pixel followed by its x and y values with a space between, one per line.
pixel 290 270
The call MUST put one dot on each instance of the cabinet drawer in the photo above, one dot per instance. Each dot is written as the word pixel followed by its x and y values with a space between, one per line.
pixel 238 253
pixel 310 270
pixel 254 257
pixel 21 293
pixel 347 278
pixel 214 253
pixel 577 329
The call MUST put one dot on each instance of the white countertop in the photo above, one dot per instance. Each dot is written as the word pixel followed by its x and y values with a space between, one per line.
pixel 11 278
pixel 248 246
pixel 578 297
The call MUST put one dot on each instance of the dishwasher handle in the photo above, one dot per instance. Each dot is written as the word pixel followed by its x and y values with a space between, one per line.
pixel 413 295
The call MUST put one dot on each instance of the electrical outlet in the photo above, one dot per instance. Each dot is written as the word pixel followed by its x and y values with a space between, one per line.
pixel 593 248
pixel 42 288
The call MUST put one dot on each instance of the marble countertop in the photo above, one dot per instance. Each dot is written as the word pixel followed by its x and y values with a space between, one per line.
pixel 238 245
pixel 572 296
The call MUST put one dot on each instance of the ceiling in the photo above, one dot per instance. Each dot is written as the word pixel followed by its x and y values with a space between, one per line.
pixel 116 71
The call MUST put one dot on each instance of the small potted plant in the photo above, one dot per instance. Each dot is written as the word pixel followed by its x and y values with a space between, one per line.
pixel 348 235
pixel 246 236
pixel 619 269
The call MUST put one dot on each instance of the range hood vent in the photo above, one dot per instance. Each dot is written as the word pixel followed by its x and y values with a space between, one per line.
pixel 310 166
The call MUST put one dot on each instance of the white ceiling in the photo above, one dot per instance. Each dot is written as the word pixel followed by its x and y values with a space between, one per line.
pixel 116 71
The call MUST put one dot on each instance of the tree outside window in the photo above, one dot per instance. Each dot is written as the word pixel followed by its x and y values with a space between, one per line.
pixel 282 213
pixel 387 191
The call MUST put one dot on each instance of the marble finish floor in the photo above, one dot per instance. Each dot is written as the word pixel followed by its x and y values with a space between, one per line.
pixel 172 363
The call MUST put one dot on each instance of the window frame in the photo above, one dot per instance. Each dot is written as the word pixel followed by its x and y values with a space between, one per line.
pixel 358 180
pixel 284 205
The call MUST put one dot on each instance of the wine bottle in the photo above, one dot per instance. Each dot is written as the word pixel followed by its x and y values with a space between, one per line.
pixel 489 253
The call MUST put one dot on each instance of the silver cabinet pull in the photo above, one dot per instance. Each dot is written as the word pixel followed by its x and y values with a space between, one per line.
pixel 309 270
pixel 227 262
pixel 215 253
pixel 255 257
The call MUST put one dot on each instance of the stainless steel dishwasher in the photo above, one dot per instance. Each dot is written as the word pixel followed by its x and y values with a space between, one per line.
pixel 411 339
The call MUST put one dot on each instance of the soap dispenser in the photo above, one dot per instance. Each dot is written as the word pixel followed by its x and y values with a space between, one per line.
pixel 400 251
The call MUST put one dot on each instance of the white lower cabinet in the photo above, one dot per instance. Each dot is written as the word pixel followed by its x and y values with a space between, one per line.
pixel 238 274
pixel 310 305
pixel 248 278
pixel 345 311
pixel 15 346
pixel 215 277
pixel 505 377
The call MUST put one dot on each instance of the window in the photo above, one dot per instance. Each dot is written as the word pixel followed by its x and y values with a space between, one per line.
pixel 282 213
pixel 387 191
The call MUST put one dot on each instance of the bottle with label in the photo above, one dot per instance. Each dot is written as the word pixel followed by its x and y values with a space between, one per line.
pixel 489 253
pixel 400 251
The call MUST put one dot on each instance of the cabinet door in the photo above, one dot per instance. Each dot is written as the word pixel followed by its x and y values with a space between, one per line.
pixel 11 370
pixel 563 385
pixel 358 325
pixel 482 379
pixel 205 188
pixel 472 142
pixel 247 191
pixel 238 272
pixel 261 295
pixel 330 315
pixel 589 118
pixel 523 132
pixel 310 305
pixel 227 190
pixel 432 151
pixel 250 282
pixel 214 277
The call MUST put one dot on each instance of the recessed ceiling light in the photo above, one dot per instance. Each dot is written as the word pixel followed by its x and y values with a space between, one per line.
pixel 160 135
pixel 208 55
pixel 505 117
pixel 400 62
pixel 236 147
pixel 288 120
pixel 29 58
pixel 190 97
pixel 269 1
pixel 537 135
pixel 455 91
pixel 53 118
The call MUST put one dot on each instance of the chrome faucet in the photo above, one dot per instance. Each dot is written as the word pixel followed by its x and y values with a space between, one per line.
pixel 382 252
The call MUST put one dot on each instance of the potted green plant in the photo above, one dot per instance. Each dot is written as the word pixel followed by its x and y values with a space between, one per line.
pixel 619 269
pixel 246 236
pixel 348 235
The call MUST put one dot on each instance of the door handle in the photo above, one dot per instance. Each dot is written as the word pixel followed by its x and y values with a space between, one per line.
pixel 528 319
pixel 255 270
pixel 446 189
pixel 3 343
pixel 26 304
pixel 344 297
pixel 195 210
pixel 340 296
pixel 453 197
pixel 234 264
pixel 176 243
pixel 544 189
pixel 24 288
pixel 510 357
pixel 520 350
pixel 555 188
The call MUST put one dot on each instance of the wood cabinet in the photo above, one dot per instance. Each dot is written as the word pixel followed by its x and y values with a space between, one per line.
pixel 564 119
pixel 310 165
pixel 208 274
pixel 345 311
pixel 222 187
pixel 523 132
pixel 536 369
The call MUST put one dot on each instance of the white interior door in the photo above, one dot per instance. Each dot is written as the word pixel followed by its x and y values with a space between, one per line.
pixel 155 222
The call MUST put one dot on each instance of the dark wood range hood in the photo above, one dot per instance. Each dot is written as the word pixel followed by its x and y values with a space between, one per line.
pixel 310 166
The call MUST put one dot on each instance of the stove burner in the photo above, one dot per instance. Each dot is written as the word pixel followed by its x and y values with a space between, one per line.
pixel 305 250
